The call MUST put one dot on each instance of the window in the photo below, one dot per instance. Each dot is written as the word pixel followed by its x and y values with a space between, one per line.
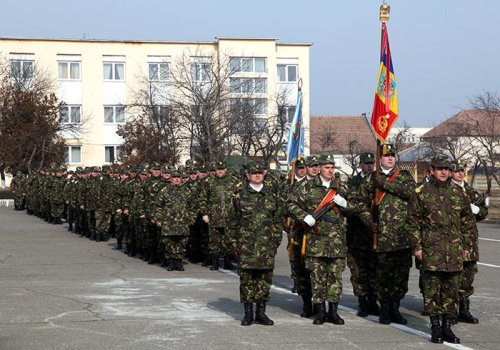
pixel 159 114
pixel 70 114
pixel 247 64
pixel 287 72
pixel 114 114
pixel 159 71
pixel 73 154
pixel 111 154
pixel 242 106
pixel 286 113
pixel 201 71
pixel 68 70
pixel 248 85
pixel 22 69
pixel 114 71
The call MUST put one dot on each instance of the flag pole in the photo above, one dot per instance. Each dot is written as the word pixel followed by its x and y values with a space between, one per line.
pixel 384 12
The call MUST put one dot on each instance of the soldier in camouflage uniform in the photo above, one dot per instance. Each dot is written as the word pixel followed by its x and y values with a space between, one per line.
pixel 173 216
pixel 326 246
pixel 387 221
pixel 360 256
pixel 255 228
pixel 300 274
pixel 70 196
pixel 440 222
pixel 16 186
pixel 56 196
pixel 480 211
pixel 214 205
pixel 104 207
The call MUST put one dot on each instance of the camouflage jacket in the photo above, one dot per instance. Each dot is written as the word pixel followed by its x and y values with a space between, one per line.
pixel 173 211
pixel 70 192
pixel 392 210
pixel 440 220
pixel 216 199
pixel 359 236
pixel 474 197
pixel 254 225
pixel 328 237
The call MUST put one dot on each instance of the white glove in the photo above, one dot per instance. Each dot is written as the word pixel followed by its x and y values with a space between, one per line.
pixel 310 220
pixel 475 209
pixel 205 219
pixel 340 201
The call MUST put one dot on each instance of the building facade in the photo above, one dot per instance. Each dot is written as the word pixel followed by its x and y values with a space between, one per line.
pixel 96 79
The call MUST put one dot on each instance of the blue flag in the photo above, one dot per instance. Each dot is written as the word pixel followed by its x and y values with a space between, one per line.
pixel 295 147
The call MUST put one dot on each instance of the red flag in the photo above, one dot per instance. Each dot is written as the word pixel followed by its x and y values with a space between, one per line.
pixel 385 110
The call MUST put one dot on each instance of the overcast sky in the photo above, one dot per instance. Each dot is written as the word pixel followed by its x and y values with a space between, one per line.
pixel 444 52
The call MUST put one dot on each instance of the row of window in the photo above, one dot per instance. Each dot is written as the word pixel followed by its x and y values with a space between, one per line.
pixel 158 71
pixel 72 114
pixel 73 154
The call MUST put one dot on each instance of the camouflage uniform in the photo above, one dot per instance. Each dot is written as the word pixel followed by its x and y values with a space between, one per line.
pixel 104 205
pixel 361 258
pixel 17 187
pixel 440 222
pixel 470 263
pixel 393 251
pixel 255 230
pixel 174 214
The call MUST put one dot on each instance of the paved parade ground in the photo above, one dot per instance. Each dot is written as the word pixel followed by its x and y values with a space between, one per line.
pixel 60 291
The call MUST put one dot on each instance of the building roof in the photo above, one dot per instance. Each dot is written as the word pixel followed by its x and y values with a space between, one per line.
pixel 336 133
pixel 468 122
pixel 421 152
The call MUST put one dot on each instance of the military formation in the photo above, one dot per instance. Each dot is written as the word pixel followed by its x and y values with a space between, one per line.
pixel 372 223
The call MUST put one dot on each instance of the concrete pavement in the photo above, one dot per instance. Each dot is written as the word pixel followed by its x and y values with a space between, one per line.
pixel 60 291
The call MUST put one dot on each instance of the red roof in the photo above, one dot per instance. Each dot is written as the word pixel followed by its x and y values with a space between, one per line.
pixel 468 122
pixel 337 133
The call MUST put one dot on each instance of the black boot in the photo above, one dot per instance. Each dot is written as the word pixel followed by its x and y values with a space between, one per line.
pixel 171 264
pixel 215 263
pixel 385 312
pixel 248 319
pixel 320 317
pixel 373 308
pixel 333 316
pixel 178 265
pixel 228 265
pixel 464 314
pixel 260 314
pixel 119 244
pixel 307 308
pixel 153 257
pixel 363 306
pixel 436 330
pixel 206 260
pixel 448 334
pixel 396 316
pixel 164 261
pixel 294 288
pixel 70 227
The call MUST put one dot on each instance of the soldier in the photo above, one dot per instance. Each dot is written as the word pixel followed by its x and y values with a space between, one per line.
pixel 387 218
pixel 325 251
pixel 16 186
pixel 480 211
pixel 360 256
pixel 255 228
pixel 440 222
pixel 214 204
pixel 312 166
pixel 173 216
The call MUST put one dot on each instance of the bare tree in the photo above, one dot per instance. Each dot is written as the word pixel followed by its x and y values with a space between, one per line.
pixel 30 128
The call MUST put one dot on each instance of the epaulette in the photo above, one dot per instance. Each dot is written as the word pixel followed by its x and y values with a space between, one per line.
pixel 419 188
pixel 238 185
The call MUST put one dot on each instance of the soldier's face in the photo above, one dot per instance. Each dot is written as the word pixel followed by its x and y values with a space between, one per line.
pixel 201 175
pixel 368 167
pixel 313 170
pixel 220 172
pixel 458 175
pixel 327 171
pixel 300 172
pixel 440 174
pixel 176 180
pixel 156 172
pixel 255 178
pixel 193 177
pixel 388 161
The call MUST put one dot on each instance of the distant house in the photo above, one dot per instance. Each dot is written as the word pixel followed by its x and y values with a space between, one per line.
pixel 344 136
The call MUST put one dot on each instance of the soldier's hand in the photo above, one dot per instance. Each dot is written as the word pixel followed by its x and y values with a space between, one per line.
pixel 475 209
pixel 205 219
pixel 142 216
pixel 153 222
pixel 419 254
pixel 310 220
pixel 158 223
pixel 125 212
pixel 82 207
pixel 340 201
pixel 118 211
